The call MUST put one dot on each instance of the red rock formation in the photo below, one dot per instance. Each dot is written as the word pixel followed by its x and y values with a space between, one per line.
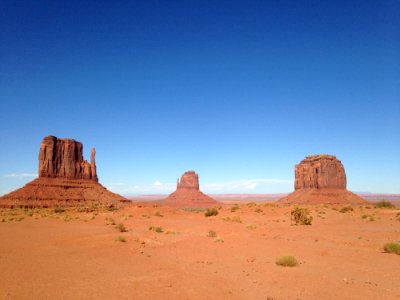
pixel 321 179
pixel 320 171
pixel 64 179
pixel 188 193
pixel 63 158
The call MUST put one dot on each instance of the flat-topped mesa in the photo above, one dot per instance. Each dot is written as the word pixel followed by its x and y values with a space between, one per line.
pixel 319 172
pixel 189 180
pixel 321 179
pixel 63 158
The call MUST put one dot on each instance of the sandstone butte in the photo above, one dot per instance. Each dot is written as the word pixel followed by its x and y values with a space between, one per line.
pixel 65 178
pixel 321 179
pixel 188 193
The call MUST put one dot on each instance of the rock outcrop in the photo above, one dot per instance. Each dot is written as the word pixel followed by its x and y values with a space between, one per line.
pixel 65 178
pixel 321 179
pixel 188 193
pixel 63 158
pixel 320 171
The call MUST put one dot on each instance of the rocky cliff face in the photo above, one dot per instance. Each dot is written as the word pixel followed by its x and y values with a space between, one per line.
pixel 320 171
pixel 321 179
pixel 189 180
pixel 63 158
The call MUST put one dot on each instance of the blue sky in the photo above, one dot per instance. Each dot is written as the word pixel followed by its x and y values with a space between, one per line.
pixel 239 91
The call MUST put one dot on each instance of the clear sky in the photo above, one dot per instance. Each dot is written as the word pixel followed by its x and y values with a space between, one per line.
pixel 239 91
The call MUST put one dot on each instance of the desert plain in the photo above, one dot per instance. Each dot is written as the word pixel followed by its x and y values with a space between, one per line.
pixel 162 252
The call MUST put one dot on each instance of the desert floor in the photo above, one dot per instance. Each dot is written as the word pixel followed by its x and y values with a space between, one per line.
pixel 76 255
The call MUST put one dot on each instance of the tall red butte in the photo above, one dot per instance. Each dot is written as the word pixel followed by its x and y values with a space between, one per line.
pixel 188 193
pixel 321 179
pixel 65 178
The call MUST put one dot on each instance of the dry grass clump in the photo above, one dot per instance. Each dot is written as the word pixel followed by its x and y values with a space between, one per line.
pixel 258 210
pixel 156 229
pixel 346 209
pixel 384 204
pixel 211 212
pixel 158 214
pixel 58 209
pixel 392 248
pixel 120 239
pixel 212 234
pixel 286 261
pixel 234 219
pixel 121 227
pixel 235 208
pixel 301 216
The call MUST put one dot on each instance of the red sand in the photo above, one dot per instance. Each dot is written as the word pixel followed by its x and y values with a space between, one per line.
pixel 340 255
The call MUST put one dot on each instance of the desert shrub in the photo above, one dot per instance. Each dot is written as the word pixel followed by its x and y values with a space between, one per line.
pixel 156 229
pixel 235 219
pixel 109 221
pixel 301 216
pixel 234 208
pixel 258 210
pixel 346 209
pixel 158 214
pixel 211 212
pixel 120 239
pixel 251 204
pixel 384 204
pixel 392 248
pixel 286 261
pixel 212 234
pixel 121 227
pixel 58 209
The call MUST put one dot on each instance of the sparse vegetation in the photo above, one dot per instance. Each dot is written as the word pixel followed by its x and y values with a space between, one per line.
pixel 120 239
pixel 235 208
pixel 212 234
pixel 121 227
pixel 286 261
pixel 158 214
pixel 58 209
pixel 156 229
pixel 301 216
pixel 384 204
pixel 258 210
pixel 251 204
pixel 109 221
pixel 346 209
pixel 392 248
pixel 211 212
pixel 234 219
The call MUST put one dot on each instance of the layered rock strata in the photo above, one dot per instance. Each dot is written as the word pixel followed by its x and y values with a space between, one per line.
pixel 321 179
pixel 65 178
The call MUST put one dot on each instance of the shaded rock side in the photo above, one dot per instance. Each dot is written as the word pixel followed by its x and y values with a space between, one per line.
pixel 320 171
pixel 63 158
pixel 188 193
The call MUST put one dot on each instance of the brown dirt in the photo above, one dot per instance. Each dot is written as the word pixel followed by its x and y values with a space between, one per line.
pixel 340 254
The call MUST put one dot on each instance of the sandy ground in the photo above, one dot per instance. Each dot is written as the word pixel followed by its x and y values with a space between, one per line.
pixel 75 255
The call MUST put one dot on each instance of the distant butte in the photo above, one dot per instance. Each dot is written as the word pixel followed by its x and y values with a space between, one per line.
pixel 188 193
pixel 65 178
pixel 321 179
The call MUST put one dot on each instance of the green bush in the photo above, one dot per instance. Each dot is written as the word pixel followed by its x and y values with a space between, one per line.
pixel 286 261
pixel 211 212
pixel 384 204
pixel 301 216
pixel 392 248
